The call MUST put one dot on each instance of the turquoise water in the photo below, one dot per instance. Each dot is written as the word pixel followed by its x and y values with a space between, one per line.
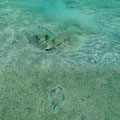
pixel 59 60
pixel 91 27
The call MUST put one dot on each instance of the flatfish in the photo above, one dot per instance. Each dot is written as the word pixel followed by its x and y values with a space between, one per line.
pixel 56 98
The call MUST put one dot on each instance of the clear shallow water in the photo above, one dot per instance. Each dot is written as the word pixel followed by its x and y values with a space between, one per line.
pixel 20 19
pixel 83 62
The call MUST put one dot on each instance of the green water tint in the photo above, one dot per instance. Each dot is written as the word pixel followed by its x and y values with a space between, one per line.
pixel 52 54
pixel 67 93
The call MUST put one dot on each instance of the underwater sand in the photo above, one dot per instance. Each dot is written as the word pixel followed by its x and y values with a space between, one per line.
pixel 76 76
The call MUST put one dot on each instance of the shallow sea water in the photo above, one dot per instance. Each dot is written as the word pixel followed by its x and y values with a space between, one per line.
pixel 59 60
